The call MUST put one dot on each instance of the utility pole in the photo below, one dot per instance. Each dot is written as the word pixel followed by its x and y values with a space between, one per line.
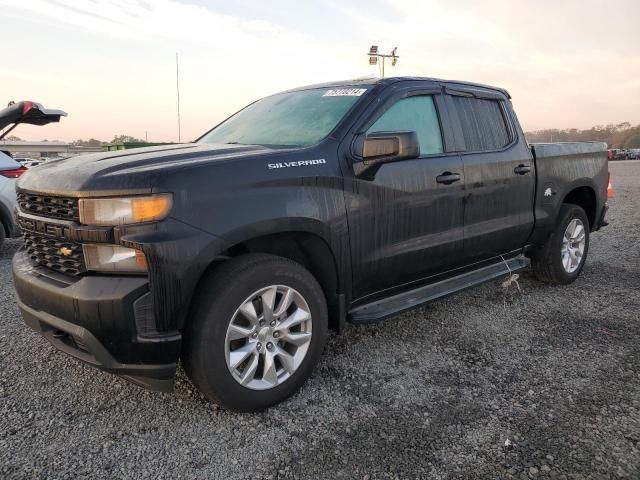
pixel 178 91
pixel 374 56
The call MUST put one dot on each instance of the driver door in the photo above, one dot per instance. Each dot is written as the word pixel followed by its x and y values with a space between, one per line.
pixel 406 224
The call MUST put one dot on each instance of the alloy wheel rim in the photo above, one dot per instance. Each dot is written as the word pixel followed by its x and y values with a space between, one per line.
pixel 573 245
pixel 268 337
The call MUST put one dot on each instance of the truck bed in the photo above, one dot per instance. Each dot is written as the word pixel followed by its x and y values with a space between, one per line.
pixel 560 169
pixel 564 149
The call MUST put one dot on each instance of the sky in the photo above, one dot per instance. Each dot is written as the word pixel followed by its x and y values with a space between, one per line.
pixel 111 64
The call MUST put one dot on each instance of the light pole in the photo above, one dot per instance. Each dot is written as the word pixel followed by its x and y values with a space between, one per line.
pixel 178 92
pixel 374 56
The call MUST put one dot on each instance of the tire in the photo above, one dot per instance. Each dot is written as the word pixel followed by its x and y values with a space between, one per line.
pixel 548 263
pixel 3 234
pixel 211 349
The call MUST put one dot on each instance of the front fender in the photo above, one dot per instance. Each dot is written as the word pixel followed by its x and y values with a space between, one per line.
pixel 276 226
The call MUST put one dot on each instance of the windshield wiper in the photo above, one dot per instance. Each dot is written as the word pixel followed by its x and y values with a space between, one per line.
pixel 268 145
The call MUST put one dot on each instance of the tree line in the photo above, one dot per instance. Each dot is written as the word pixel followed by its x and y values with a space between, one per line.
pixel 622 135
pixel 92 142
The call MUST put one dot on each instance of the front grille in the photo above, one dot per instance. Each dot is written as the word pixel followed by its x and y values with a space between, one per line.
pixel 60 255
pixel 49 206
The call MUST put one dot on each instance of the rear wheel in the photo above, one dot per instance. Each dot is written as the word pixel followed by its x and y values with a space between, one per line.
pixel 258 328
pixel 562 257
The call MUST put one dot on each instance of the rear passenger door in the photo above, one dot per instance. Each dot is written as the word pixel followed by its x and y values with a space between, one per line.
pixel 498 171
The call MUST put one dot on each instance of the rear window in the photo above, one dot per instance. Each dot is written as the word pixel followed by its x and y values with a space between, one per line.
pixel 483 124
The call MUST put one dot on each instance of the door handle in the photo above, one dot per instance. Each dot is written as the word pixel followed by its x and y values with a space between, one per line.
pixel 448 178
pixel 522 169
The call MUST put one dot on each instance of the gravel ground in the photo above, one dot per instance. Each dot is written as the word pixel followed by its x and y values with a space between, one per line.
pixel 491 383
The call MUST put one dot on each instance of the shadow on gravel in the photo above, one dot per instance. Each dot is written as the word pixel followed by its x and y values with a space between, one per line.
pixel 9 247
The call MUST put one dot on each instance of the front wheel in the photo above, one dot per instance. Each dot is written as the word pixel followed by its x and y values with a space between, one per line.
pixel 562 257
pixel 258 328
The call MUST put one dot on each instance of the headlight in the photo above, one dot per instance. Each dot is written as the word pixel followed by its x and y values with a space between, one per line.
pixel 123 210
pixel 114 258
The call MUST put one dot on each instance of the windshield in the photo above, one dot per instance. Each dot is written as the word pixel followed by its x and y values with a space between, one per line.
pixel 299 118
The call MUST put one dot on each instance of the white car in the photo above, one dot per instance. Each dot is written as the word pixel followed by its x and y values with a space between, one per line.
pixel 9 171
pixel 27 162
pixel 30 163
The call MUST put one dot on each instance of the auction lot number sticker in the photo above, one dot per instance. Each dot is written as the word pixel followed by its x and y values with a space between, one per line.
pixel 344 92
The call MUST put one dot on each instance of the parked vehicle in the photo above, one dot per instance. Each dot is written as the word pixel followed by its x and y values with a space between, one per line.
pixel 28 162
pixel 31 163
pixel 9 171
pixel 633 154
pixel 349 201
pixel 620 154
pixel 10 117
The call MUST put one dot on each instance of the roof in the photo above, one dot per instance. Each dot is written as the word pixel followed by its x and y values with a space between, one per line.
pixel 391 80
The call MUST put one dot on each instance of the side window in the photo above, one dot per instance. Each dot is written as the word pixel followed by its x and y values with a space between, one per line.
pixel 483 123
pixel 417 114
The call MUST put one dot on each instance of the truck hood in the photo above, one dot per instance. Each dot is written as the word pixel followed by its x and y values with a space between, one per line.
pixel 31 113
pixel 129 170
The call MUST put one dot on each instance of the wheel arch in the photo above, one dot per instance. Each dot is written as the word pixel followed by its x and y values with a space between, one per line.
pixel 585 197
pixel 581 192
pixel 298 242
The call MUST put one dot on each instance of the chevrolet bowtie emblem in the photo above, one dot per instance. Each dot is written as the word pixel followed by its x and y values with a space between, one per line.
pixel 65 252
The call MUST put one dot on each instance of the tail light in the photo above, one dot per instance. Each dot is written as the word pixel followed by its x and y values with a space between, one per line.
pixel 13 173
pixel 609 187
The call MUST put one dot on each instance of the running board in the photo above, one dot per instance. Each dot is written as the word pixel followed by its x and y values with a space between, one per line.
pixel 376 311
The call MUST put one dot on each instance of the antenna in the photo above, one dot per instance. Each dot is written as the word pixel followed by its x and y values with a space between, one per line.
pixel 178 91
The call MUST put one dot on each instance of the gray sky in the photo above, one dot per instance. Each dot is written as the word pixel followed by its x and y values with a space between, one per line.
pixel 110 63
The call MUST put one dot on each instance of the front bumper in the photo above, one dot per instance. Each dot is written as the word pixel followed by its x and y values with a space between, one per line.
pixel 97 319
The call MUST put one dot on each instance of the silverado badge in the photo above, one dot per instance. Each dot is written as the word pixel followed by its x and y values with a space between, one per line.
pixel 65 252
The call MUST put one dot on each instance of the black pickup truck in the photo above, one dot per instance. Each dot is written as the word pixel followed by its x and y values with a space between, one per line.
pixel 349 201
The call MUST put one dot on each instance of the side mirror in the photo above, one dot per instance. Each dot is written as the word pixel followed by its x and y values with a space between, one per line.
pixel 375 149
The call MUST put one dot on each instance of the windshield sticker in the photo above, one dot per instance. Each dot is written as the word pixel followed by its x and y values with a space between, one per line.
pixel 344 92
pixel 301 163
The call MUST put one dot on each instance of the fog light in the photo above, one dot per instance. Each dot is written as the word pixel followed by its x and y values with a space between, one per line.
pixel 114 258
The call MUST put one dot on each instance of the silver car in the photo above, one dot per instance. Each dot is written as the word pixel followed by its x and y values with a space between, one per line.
pixel 9 171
